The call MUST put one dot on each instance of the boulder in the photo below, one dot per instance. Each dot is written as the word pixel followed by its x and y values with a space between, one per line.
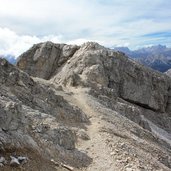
pixel 43 59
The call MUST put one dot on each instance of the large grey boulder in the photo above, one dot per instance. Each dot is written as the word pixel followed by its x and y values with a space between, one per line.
pixel 43 59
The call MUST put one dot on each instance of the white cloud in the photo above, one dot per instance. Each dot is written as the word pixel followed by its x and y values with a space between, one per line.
pixel 14 44
pixel 11 43
pixel 110 22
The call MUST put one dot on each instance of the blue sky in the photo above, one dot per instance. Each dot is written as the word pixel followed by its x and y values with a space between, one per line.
pixel 132 23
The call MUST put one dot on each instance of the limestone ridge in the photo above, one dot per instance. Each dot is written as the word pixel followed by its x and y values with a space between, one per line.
pixel 42 59
pixel 84 108
pixel 92 65
pixel 104 72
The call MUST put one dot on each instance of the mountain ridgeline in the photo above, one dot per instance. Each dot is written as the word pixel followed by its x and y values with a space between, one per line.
pixel 10 58
pixel 156 57
pixel 83 108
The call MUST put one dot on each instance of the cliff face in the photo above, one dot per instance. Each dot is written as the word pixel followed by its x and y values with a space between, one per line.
pixel 85 107
pixel 93 65
pixel 43 59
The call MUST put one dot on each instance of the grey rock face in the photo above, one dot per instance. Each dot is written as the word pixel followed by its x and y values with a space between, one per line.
pixel 168 72
pixel 95 66
pixel 43 59
pixel 113 74
pixel 39 97
pixel 12 118
pixel 92 96
pixel 92 65
pixel 32 116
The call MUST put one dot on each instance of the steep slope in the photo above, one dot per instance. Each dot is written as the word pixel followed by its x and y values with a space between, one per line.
pixel 97 110
pixel 43 59
pixel 37 123
pixel 97 67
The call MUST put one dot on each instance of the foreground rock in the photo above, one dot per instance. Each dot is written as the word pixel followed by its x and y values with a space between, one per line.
pixel 34 118
pixel 97 67
pixel 95 110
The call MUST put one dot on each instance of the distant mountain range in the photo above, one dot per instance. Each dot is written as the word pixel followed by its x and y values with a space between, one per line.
pixel 157 57
pixel 11 59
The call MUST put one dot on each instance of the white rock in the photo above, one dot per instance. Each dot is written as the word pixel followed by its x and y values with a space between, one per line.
pixel 14 161
pixel 2 160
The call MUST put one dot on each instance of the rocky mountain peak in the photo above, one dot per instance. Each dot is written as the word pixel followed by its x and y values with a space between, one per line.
pixel 42 59
pixel 156 57
pixel 85 108
pixel 94 66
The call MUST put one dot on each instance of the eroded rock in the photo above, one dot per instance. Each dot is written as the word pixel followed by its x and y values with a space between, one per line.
pixel 43 59
pixel 95 66
pixel 90 93
pixel 33 117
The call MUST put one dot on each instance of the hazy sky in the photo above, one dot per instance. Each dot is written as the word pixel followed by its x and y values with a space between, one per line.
pixel 132 23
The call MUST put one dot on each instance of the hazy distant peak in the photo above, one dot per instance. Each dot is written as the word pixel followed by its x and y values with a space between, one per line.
pixel 11 59
pixel 157 57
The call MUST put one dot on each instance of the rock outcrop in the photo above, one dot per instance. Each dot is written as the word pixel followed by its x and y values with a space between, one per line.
pixel 33 117
pixel 93 66
pixel 168 72
pixel 86 108
pixel 43 59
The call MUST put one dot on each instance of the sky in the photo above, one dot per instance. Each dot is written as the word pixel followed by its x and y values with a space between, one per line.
pixel 132 23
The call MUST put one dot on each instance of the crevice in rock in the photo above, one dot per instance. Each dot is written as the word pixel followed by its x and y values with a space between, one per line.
pixel 139 104
pixel 55 63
